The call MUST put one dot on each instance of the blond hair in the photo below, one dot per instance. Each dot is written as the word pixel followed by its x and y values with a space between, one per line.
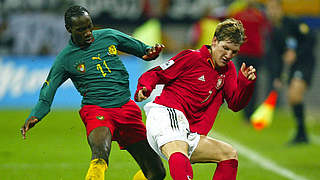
pixel 230 30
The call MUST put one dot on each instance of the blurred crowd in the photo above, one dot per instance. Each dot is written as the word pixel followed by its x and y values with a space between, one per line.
pixel 37 28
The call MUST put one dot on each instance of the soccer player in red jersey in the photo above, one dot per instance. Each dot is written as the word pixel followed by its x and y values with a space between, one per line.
pixel 91 61
pixel 196 83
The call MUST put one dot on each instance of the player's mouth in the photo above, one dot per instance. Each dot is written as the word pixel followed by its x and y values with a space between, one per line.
pixel 225 60
pixel 89 39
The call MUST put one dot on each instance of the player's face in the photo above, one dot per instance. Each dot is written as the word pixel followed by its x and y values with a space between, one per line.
pixel 223 51
pixel 81 30
pixel 274 10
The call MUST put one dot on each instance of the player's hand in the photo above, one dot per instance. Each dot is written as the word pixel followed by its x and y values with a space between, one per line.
pixel 289 57
pixel 153 52
pixel 249 72
pixel 277 84
pixel 141 95
pixel 28 125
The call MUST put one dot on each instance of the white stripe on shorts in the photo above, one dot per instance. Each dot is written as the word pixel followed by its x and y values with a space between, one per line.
pixel 165 125
pixel 173 118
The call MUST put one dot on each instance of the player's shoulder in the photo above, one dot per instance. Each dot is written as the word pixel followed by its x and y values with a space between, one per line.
pixel 61 58
pixel 291 22
pixel 63 53
pixel 105 32
pixel 101 31
pixel 188 53
pixel 298 25
pixel 185 58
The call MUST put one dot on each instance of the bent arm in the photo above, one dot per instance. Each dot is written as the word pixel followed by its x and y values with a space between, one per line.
pixel 238 90
pixel 147 82
pixel 163 74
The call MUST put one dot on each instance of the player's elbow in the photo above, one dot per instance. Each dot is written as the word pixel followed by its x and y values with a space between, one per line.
pixel 235 108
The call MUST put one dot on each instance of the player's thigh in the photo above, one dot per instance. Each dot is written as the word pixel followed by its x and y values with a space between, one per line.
pixel 130 128
pixel 212 150
pixel 296 91
pixel 175 146
pixel 94 116
pixel 169 128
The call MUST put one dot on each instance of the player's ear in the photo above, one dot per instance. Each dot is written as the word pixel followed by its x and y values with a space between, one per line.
pixel 68 28
pixel 214 41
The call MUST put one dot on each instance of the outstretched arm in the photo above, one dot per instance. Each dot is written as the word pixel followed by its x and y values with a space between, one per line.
pixel 130 45
pixel 55 78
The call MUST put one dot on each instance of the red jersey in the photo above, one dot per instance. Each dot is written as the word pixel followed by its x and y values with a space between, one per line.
pixel 195 87
pixel 255 25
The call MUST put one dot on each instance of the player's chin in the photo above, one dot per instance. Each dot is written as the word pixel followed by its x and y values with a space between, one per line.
pixel 85 44
pixel 222 64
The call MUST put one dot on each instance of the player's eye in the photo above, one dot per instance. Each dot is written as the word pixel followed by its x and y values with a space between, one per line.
pixel 234 52
pixel 80 29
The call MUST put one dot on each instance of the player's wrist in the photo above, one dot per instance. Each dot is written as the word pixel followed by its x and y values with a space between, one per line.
pixel 32 118
pixel 147 56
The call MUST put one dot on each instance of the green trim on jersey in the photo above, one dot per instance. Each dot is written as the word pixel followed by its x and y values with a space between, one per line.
pixel 97 72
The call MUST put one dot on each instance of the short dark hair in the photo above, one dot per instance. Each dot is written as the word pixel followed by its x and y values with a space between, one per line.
pixel 73 11
pixel 230 30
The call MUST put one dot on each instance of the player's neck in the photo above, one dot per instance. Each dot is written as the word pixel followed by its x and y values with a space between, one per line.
pixel 81 46
pixel 213 60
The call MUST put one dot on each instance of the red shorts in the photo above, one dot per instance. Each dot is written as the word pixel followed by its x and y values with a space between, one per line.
pixel 125 122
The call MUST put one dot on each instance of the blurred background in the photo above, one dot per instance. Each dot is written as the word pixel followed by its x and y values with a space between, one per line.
pixel 32 33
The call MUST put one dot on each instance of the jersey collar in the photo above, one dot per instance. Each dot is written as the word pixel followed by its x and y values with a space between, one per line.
pixel 205 53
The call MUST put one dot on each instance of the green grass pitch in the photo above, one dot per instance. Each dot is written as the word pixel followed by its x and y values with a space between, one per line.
pixel 56 149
